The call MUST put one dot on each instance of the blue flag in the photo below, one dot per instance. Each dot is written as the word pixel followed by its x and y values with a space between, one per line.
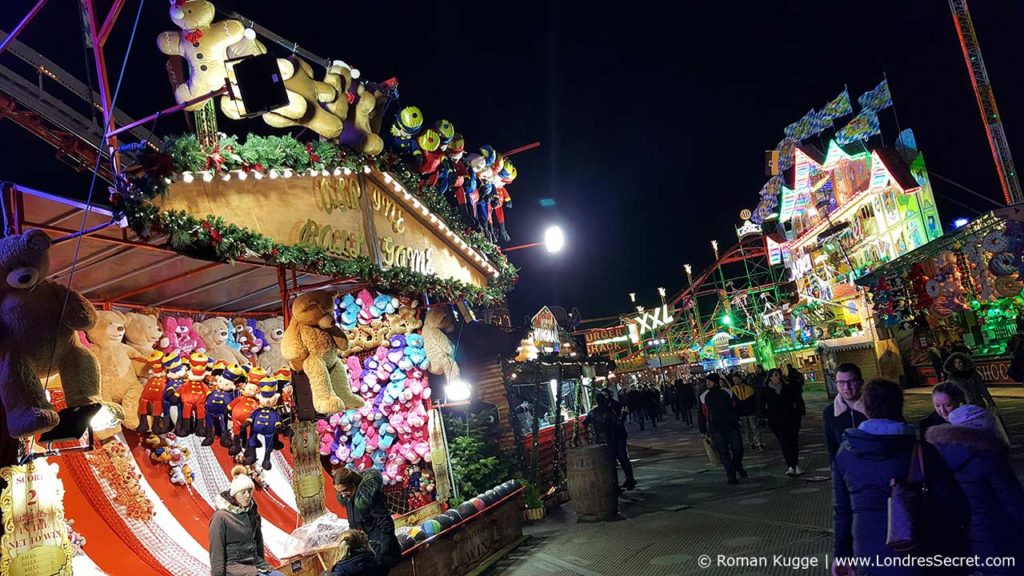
pixel 839 106
pixel 877 98
pixel 862 127
pixel 820 121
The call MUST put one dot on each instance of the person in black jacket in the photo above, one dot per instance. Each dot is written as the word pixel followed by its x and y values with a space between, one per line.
pixel 687 400
pixel 880 449
pixel 946 397
pixel 718 418
pixel 362 494
pixel 746 405
pixel 782 406
pixel 604 427
pixel 847 410
pixel 357 557
pixel 980 461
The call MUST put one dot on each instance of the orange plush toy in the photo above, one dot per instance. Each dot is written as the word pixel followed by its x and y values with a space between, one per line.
pixel 152 397
pixel 240 409
pixel 193 397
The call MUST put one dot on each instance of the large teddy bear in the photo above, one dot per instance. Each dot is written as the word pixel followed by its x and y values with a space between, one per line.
pixel 214 332
pixel 440 351
pixel 36 340
pixel 359 131
pixel 142 331
pixel 311 344
pixel 203 43
pixel 305 94
pixel 119 383
pixel 273 328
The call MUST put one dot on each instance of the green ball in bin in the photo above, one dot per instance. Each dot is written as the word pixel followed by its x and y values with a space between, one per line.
pixel 431 528
pixel 444 520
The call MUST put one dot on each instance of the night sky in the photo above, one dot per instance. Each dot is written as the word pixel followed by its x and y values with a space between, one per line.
pixel 653 124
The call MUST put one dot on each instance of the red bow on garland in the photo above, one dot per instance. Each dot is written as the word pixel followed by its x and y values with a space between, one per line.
pixel 215 159
pixel 193 36
pixel 214 234
pixel 313 157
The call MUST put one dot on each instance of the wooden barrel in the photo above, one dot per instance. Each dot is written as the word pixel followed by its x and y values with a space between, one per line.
pixel 592 483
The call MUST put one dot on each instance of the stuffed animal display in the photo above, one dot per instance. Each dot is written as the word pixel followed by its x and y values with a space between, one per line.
pixel 273 331
pixel 311 344
pixel 215 333
pixel 203 44
pixel 142 331
pixel 40 340
pixel 440 351
pixel 369 321
pixel 118 382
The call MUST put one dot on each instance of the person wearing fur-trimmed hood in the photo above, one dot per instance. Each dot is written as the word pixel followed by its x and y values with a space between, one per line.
pixel 236 534
pixel 980 461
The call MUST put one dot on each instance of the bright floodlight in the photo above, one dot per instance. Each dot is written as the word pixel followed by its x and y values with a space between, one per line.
pixel 457 391
pixel 554 239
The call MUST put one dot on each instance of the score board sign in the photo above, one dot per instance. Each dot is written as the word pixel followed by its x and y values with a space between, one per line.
pixel 35 540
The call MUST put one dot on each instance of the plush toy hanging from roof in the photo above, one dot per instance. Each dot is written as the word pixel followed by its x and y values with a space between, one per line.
pixel 265 422
pixel 203 43
pixel 405 128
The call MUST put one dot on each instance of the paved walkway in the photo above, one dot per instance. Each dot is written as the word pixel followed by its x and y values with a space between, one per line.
pixel 684 509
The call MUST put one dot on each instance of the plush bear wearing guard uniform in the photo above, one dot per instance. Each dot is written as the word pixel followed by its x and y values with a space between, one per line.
pixel 203 43
pixel 218 420
pixel 38 320
pixel 240 409
pixel 177 372
pixel 151 401
pixel 265 422
pixel 193 393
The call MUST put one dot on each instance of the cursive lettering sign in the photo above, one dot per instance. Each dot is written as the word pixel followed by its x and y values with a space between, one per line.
pixel 389 209
pixel 341 243
pixel 330 194
pixel 394 254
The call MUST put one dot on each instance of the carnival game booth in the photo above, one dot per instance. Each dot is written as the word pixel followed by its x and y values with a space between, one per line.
pixel 145 499
pixel 963 289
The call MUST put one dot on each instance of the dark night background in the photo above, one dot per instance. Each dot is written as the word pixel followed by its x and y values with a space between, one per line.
pixel 653 120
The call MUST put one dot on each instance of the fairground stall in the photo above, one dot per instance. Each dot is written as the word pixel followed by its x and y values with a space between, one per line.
pixel 831 214
pixel 962 290
pixel 277 303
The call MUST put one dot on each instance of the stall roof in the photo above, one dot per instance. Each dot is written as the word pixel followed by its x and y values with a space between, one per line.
pixel 848 343
pixel 113 267
pixel 981 225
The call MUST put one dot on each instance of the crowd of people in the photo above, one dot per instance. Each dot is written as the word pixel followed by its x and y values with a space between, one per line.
pixel 955 462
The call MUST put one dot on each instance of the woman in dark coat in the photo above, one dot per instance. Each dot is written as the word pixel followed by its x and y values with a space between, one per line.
pixel 980 461
pixel 784 408
pixel 357 558
pixel 879 450
pixel 946 397
pixel 362 494
pixel 236 532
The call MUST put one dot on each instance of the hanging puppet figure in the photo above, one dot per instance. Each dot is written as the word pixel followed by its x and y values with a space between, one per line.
pixel 218 421
pixel 265 422
pixel 457 171
pixel 502 199
pixel 404 129
pixel 176 373
pixel 152 397
pixel 193 393
pixel 444 177
pixel 428 154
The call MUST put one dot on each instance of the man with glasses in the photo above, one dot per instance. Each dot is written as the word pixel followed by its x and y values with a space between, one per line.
pixel 847 411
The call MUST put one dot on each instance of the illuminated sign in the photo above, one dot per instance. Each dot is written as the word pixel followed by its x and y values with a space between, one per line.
pixel 654 319
pixel 545 329
pixel 35 540
pixel 606 339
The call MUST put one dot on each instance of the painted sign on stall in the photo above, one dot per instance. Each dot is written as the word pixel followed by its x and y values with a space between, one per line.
pixel 35 540
pixel 601 340
pixel 545 329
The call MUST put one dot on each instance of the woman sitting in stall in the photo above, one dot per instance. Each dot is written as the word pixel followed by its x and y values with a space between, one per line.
pixel 362 494
pixel 356 556
pixel 236 534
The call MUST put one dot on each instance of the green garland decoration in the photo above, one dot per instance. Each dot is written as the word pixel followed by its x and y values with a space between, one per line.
pixel 211 238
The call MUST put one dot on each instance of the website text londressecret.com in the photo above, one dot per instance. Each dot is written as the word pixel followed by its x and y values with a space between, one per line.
pixel 815 562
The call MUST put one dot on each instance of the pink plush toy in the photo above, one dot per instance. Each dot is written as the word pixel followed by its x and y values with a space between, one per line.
pixel 418 416
pixel 423 450
pixel 180 334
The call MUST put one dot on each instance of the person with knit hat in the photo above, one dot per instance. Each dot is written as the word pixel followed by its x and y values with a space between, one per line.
pixel 362 494
pixel 236 535
pixel 975 451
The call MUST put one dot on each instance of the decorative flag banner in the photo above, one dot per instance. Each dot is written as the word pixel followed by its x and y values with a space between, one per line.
pixel 820 121
pixel 839 106
pixel 862 127
pixel 790 130
pixel 803 127
pixel 877 98
pixel 771 187
pixel 785 150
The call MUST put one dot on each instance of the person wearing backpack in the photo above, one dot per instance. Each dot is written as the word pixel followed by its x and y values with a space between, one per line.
pixel 746 406
pixel 883 451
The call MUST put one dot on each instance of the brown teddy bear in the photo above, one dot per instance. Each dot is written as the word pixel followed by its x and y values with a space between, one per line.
pixel 406 321
pixel 214 332
pixel 203 43
pixel 358 132
pixel 38 340
pixel 118 381
pixel 311 344
pixel 440 351
pixel 273 330
pixel 142 331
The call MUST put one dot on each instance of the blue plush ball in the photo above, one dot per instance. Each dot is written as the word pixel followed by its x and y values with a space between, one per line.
pixel 431 527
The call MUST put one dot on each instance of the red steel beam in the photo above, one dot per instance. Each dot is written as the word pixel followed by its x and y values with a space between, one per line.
pixel 103 81
pixel 191 311
pixel 108 24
